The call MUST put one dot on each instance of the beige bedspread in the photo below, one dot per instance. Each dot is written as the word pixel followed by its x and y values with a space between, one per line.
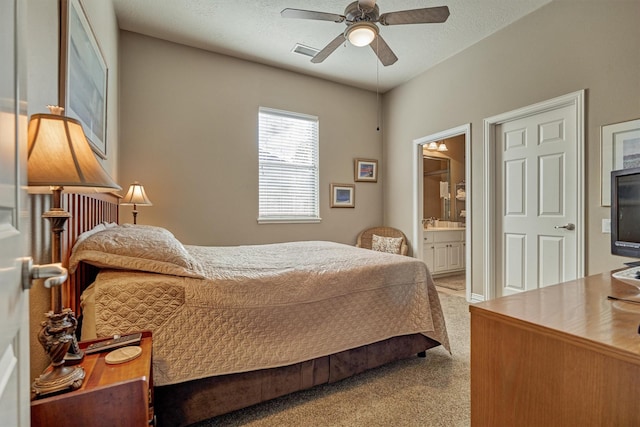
pixel 271 305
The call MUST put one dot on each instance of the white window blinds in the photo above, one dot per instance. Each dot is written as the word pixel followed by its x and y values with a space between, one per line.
pixel 288 166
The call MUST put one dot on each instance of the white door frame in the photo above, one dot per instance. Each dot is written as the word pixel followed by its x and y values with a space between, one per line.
pixel 418 194
pixel 489 228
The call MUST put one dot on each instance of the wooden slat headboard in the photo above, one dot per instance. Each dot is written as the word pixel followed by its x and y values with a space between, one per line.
pixel 87 211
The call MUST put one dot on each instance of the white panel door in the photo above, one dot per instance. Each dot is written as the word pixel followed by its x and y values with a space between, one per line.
pixel 14 309
pixel 536 187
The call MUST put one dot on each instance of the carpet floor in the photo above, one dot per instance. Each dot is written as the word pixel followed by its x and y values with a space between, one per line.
pixel 432 391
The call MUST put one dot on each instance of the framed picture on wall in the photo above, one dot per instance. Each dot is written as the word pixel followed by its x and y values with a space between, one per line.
pixel 366 170
pixel 343 195
pixel 83 75
pixel 620 149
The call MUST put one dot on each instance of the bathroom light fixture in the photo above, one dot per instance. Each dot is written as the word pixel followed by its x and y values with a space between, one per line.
pixel 361 34
pixel 433 146
pixel 442 146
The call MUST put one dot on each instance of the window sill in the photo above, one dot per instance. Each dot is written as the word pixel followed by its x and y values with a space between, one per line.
pixel 289 220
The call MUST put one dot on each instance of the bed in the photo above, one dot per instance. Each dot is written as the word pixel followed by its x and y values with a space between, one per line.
pixel 234 326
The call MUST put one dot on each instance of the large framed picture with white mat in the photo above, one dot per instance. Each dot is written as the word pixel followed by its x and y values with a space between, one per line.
pixel 83 75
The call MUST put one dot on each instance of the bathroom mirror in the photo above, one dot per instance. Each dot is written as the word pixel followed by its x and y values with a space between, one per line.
pixel 437 188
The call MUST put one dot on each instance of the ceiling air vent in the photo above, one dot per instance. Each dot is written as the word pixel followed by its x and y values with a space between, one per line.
pixel 305 50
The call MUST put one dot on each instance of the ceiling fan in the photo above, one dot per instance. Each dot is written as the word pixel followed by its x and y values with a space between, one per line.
pixel 361 17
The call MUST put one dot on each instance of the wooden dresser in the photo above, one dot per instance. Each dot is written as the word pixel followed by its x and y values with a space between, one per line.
pixel 562 355
pixel 110 396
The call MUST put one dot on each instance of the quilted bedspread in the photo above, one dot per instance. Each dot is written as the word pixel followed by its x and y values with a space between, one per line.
pixel 265 306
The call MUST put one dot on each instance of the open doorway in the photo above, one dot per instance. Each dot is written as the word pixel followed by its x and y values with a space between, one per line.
pixel 442 206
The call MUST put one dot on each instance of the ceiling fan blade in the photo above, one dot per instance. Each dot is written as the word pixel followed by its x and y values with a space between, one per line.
pixel 383 51
pixel 328 49
pixel 310 14
pixel 428 15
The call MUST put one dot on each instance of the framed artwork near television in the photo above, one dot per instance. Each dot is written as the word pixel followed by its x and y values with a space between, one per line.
pixel 343 195
pixel 366 170
pixel 620 149
pixel 83 75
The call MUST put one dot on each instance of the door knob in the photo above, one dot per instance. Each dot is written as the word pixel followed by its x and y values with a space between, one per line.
pixel 55 274
pixel 566 226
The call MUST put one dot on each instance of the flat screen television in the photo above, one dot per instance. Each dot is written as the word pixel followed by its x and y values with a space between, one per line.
pixel 625 213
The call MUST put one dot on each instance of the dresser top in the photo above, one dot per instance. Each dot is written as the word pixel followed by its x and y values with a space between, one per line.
pixel 579 310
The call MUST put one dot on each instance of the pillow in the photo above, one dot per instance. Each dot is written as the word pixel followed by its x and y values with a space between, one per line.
pixel 135 247
pixel 390 245
pixel 100 227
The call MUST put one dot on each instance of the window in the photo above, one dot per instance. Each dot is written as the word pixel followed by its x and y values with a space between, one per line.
pixel 288 167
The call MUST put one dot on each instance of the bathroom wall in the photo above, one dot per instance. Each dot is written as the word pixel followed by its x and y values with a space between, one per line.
pixel 456 156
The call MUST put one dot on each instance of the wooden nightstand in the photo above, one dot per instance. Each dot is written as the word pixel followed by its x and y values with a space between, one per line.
pixel 111 395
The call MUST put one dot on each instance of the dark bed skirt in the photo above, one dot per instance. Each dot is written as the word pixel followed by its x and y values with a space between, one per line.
pixel 186 403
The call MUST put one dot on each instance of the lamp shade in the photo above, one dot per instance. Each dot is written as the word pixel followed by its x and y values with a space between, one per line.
pixel 136 196
pixel 60 155
pixel 442 147
pixel 362 33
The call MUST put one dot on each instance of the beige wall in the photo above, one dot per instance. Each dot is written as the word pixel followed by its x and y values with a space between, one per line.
pixel 42 90
pixel 189 135
pixel 563 47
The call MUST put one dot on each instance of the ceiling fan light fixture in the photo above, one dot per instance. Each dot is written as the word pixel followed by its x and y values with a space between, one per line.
pixel 361 34
pixel 361 18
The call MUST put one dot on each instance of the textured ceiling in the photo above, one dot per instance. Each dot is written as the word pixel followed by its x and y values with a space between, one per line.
pixel 254 30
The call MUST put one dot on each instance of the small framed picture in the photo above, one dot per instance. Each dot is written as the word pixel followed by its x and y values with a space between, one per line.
pixel 343 195
pixel 366 170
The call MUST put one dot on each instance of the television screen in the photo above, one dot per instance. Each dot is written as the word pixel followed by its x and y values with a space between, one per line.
pixel 629 208
pixel 625 212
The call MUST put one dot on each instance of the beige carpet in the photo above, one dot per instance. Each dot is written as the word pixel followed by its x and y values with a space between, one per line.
pixel 433 391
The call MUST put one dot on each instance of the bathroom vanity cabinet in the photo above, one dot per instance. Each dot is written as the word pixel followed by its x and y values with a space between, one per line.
pixel 444 250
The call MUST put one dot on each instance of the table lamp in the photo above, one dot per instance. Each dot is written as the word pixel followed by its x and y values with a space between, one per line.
pixel 136 197
pixel 59 157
